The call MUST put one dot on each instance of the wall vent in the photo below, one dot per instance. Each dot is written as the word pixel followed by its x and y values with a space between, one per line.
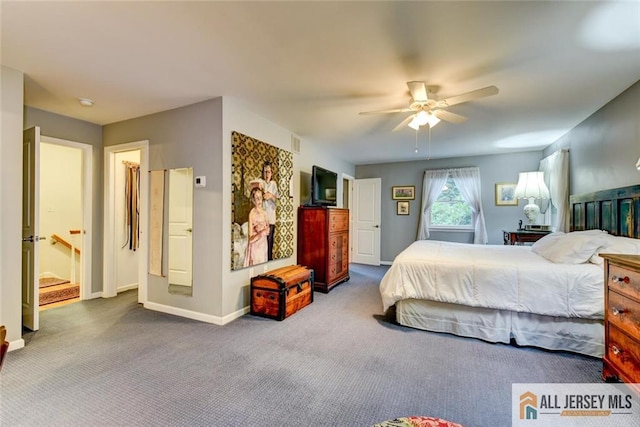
pixel 295 144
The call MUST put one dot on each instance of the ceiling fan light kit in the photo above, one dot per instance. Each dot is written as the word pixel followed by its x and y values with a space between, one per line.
pixel 422 118
pixel 430 111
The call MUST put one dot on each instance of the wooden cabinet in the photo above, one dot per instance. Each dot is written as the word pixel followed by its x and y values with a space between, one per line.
pixel 520 237
pixel 622 318
pixel 323 244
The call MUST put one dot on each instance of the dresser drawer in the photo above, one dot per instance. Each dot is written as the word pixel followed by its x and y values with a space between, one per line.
pixel 624 353
pixel 338 270
pixel 624 281
pixel 338 247
pixel 624 313
pixel 338 220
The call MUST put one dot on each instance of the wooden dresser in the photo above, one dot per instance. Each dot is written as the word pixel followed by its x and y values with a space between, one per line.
pixel 323 244
pixel 622 318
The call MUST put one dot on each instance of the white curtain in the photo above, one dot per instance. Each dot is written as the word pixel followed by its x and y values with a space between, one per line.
pixel 468 182
pixel 556 176
pixel 432 184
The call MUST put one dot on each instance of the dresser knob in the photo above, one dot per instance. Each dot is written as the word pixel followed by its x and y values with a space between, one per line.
pixel 624 279
pixel 615 350
pixel 617 311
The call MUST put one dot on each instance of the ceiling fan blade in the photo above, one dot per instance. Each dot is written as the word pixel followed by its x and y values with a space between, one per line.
pixel 393 111
pixel 448 116
pixel 418 91
pixel 469 96
pixel 404 123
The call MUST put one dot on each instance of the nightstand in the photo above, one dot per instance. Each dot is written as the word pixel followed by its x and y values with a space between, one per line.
pixel 520 237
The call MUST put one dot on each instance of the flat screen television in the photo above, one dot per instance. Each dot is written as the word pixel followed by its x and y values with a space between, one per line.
pixel 323 187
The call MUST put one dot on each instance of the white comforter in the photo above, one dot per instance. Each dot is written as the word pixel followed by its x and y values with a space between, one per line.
pixel 494 276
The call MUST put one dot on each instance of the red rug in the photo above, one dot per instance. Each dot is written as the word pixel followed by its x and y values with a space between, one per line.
pixel 418 421
pixel 55 295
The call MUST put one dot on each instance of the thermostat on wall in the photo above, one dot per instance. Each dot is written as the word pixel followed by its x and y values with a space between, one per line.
pixel 201 181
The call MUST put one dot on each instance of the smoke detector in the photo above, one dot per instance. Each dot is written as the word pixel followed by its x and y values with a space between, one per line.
pixel 86 102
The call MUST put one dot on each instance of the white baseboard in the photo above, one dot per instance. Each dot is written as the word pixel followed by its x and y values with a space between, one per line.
pixel 15 345
pixel 94 295
pixel 216 320
pixel 49 274
pixel 386 262
pixel 126 287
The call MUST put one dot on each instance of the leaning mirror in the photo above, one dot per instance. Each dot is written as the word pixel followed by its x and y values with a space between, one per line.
pixel 180 269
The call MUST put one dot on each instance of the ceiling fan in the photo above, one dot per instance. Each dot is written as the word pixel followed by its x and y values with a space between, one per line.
pixel 427 109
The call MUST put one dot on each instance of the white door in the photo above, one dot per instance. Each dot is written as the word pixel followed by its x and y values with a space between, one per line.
pixel 366 211
pixel 180 226
pixel 30 220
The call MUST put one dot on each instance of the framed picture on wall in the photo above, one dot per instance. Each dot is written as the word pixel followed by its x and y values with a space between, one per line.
pixel 505 194
pixel 402 208
pixel 407 192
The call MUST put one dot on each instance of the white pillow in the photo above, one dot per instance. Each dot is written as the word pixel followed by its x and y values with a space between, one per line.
pixel 616 245
pixel 570 248
pixel 546 243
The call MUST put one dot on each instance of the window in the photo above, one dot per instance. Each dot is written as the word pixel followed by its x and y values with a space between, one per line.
pixel 450 210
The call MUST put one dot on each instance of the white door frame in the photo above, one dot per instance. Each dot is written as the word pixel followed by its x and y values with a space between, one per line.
pixel 87 210
pixel 109 288
pixel 351 179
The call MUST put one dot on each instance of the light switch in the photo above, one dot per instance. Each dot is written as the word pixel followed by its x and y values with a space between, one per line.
pixel 201 181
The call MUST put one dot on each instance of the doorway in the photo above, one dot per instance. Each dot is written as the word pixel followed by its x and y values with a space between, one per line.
pixel 124 265
pixel 60 224
pixel 347 202
pixel 59 204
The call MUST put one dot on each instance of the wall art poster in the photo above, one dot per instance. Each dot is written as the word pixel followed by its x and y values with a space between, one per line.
pixel 505 194
pixel 261 209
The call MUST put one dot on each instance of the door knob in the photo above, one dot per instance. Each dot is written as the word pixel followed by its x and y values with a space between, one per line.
pixel 189 230
pixel 376 226
pixel 33 238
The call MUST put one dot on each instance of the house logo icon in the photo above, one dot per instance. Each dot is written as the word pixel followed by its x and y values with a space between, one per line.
pixel 528 406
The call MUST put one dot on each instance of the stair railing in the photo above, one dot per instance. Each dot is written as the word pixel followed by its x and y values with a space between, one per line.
pixel 74 251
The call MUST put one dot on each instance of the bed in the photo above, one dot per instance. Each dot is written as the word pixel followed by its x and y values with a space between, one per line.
pixel 548 295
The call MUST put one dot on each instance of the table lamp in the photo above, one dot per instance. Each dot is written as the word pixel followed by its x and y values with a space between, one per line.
pixel 531 186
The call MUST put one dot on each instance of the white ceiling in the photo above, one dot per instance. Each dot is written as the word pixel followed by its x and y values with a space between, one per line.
pixel 311 67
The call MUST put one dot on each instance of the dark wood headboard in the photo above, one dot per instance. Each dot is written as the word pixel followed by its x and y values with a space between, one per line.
pixel 616 210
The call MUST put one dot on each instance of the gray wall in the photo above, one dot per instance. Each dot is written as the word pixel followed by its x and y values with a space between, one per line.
pixel 186 137
pixel 398 231
pixel 62 127
pixel 195 136
pixel 604 149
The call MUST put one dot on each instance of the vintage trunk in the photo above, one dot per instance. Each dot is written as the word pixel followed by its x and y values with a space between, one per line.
pixel 279 293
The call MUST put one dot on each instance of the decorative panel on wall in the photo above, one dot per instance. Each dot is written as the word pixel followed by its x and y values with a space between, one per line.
pixel 249 157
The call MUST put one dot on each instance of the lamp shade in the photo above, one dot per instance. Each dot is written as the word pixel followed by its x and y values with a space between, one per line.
pixel 531 186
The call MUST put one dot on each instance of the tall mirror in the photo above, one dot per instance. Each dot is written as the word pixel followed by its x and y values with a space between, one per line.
pixel 180 219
